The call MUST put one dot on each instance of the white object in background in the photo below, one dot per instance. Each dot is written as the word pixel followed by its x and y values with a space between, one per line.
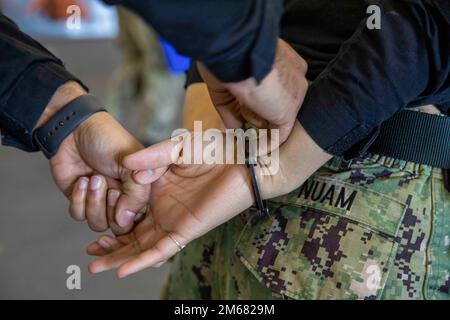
pixel 102 22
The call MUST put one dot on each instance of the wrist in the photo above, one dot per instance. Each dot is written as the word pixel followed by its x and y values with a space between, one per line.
pixel 64 95
pixel 82 131
pixel 245 186
pixel 299 157
pixel 69 108
pixel 82 135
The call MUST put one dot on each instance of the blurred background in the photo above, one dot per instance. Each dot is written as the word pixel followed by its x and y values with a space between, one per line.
pixel 140 78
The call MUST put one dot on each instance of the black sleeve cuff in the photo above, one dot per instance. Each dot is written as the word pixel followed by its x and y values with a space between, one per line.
pixel 332 126
pixel 193 75
pixel 27 101
pixel 378 73
pixel 235 39
pixel 254 54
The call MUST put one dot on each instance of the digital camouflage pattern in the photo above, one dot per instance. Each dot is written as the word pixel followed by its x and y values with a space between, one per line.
pixel 375 228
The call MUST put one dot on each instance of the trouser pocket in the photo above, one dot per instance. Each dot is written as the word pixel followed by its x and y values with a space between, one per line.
pixel 326 240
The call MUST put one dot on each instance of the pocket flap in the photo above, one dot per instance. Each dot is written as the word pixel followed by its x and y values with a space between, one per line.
pixel 326 240
pixel 372 209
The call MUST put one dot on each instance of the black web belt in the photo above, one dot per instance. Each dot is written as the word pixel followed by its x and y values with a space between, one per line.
pixel 416 137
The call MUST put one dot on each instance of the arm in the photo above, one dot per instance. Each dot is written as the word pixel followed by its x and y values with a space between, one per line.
pixel 199 107
pixel 300 156
pixel 30 75
pixel 239 41
pixel 34 86
pixel 379 72
pixel 190 200
pixel 198 196
pixel 376 74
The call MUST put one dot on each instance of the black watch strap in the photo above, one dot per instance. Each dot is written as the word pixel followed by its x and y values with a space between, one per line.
pixel 62 124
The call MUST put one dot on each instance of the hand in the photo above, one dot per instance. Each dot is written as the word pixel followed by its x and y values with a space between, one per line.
pixel 190 200
pixel 96 149
pixel 89 163
pixel 273 104
pixel 56 9
pixel 187 202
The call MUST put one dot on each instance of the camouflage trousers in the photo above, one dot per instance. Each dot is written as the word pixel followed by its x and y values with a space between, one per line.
pixel 374 228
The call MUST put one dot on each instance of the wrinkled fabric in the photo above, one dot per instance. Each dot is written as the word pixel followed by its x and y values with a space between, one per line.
pixel 374 228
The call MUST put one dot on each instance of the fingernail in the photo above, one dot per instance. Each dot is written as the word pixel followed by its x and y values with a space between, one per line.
pixel 84 182
pixel 104 244
pixel 96 183
pixel 113 196
pixel 144 176
pixel 126 218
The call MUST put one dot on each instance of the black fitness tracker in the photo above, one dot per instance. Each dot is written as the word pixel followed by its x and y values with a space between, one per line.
pixel 49 137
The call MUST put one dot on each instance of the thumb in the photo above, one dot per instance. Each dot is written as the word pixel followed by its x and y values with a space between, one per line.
pixel 135 193
pixel 156 157
pixel 132 201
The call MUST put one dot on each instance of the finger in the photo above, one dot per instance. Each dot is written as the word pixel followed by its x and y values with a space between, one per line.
pixel 96 204
pixel 130 246
pixel 113 183
pixel 148 176
pixel 103 246
pixel 162 251
pixel 226 104
pixel 136 189
pixel 157 156
pixel 109 243
pixel 132 201
pixel 115 258
pixel 146 224
pixel 96 250
pixel 112 199
pixel 78 199
pixel 230 115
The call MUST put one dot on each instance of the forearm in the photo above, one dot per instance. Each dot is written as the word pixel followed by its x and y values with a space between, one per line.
pixel 30 75
pixel 379 72
pixel 235 39
pixel 299 158
pixel 199 107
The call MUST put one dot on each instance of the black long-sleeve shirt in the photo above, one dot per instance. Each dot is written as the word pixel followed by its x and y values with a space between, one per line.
pixel 29 75
pixel 373 75
pixel 376 73
pixel 361 76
